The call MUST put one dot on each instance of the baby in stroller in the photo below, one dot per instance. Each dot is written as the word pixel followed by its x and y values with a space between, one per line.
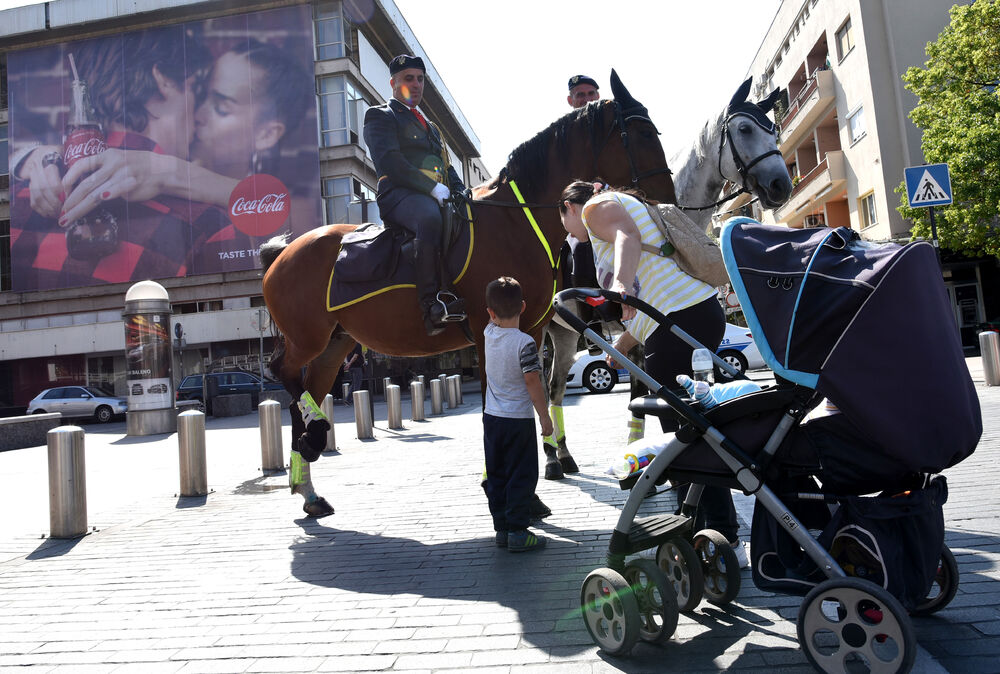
pixel 848 507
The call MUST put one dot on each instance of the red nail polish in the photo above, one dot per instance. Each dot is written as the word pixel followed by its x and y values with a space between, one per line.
pixel 62 222
pixel 105 195
pixel 62 196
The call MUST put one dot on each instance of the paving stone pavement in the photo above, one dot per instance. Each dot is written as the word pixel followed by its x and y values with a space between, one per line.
pixel 405 576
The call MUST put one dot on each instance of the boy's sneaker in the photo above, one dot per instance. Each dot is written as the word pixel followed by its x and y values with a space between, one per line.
pixel 523 541
pixel 740 548
pixel 501 539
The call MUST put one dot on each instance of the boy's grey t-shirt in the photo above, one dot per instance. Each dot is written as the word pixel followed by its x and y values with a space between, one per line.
pixel 509 355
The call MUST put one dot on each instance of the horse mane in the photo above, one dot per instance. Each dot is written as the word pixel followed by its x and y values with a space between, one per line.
pixel 526 158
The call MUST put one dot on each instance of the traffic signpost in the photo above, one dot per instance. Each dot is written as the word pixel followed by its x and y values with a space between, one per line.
pixel 928 186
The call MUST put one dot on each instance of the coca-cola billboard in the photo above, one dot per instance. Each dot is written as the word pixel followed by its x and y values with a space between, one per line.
pixel 171 151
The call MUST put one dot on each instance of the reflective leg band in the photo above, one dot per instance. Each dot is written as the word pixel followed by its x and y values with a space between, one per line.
pixel 309 409
pixel 559 428
pixel 636 429
pixel 300 478
pixel 550 440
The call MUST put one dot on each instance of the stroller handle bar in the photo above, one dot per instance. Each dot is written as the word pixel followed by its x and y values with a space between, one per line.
pixel 564 297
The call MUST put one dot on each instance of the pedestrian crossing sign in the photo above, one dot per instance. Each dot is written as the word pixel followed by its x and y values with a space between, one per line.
pixel 928 185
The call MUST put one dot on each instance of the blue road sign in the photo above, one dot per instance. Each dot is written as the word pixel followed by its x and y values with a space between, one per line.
pixel 928 185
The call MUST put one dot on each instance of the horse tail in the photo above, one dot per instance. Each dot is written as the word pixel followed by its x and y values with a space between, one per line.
pixel 271 249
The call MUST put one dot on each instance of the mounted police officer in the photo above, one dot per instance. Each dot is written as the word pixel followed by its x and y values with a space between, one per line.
pixel 415 178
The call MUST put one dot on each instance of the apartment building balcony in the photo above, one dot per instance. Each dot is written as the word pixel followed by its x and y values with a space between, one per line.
pixel 807 108
pixel 814 189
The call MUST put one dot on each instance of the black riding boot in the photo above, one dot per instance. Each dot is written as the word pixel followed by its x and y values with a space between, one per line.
pixel 439 307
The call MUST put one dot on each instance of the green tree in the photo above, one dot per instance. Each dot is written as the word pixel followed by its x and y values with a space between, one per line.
pixel 959 112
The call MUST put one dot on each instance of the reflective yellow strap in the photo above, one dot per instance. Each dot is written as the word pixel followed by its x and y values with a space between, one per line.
pixel 553 262
pixel 534 225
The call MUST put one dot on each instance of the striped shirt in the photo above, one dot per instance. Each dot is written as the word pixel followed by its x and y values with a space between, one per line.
pixel 659 281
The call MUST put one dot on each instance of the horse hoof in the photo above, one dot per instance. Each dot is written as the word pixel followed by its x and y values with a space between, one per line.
pixel 307 451
pixel 318 508
pixel 568 464
pixel 553 470
pixel 538 510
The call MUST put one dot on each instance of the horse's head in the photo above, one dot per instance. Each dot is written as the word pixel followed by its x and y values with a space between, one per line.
pixel 753 161
pixel 611 139
pixel 630 154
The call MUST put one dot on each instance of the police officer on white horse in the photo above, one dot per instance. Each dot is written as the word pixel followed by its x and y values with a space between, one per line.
pixel 415 179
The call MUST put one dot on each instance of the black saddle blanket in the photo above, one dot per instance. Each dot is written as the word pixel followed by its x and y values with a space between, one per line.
pixel 371 261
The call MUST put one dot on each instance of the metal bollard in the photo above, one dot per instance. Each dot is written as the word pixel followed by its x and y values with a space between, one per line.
pixel 437 389
pixel 386 383
pixel 458 388
pixel 67 483
pixel 345 391
pixel 331 436
pixel 395 405
pixel 452 393
pixel 191 446
pixel 423 380
pixel 417 400
pixel 272 454
pixel 989 347
pixel 363 414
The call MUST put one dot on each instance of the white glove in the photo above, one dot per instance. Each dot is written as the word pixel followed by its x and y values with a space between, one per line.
pixel 440 192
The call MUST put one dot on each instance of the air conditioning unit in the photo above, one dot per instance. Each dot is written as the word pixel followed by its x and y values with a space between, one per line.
pixel 818 220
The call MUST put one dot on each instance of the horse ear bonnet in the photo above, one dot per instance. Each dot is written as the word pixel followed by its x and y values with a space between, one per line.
pixel 739 105
pixel 624 98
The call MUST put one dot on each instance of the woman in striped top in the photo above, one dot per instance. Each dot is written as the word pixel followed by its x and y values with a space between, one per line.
pixel 617 224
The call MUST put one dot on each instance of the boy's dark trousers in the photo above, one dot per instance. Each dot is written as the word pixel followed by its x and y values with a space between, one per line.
pixel 511 470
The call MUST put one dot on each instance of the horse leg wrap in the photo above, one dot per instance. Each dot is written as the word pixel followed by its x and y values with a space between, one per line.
pixel 312 443
pixel 553 469
pixel 566 461
pixel 300 481
pixel 636 429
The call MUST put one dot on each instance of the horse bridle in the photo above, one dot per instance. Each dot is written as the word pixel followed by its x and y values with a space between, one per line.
pixel 622 118
pixel 741 167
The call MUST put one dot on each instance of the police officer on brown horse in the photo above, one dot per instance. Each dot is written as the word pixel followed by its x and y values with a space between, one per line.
pixel 415 179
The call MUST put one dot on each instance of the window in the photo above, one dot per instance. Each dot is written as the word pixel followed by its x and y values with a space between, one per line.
pixel 868 215
pixel 856 125
pixel 338 193
pixel 340 108
pixel 845 40
pixel 331 41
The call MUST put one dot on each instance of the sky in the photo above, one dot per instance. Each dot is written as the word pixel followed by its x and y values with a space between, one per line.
pixel 507 63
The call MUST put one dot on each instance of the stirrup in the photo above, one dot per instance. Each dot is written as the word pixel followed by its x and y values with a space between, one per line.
pixel 454 309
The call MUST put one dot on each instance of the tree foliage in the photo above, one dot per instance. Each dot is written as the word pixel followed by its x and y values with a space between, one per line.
pixel 959 112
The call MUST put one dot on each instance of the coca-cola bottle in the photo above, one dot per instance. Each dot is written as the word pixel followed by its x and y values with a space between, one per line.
pixel 96 234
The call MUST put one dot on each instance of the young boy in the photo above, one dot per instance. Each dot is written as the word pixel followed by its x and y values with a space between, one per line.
pixel 513 387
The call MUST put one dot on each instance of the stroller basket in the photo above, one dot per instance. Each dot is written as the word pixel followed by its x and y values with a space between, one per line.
pixel 892 540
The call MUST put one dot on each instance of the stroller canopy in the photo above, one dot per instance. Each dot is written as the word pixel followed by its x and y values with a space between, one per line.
pixel 868 326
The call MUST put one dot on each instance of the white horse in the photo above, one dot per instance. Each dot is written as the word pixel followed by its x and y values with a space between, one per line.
pixel 739 145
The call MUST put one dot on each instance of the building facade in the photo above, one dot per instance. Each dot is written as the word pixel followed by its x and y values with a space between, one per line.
pixel 845 133
pixel 61 335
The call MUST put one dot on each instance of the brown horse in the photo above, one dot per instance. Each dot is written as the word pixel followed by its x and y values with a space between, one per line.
pixel 613 139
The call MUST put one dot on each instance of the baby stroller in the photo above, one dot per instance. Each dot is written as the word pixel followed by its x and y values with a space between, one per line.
pixel 848 507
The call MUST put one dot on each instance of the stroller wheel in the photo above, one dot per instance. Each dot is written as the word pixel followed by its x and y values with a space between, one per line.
pixel 849 623
pixel 610 611
pixel 720 566
pixel 655 595
pixel 679 562
pixel 944 588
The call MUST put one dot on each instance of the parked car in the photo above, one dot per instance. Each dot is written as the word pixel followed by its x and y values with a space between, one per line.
pixel 228 383
pixel 739 350
pixel 593 373
pixel 78 402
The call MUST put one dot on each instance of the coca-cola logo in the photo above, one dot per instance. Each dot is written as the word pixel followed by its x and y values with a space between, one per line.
pixel 80 145
pixel 259 205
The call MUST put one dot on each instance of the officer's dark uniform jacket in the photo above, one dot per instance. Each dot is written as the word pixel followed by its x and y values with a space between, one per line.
pixel 407 156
